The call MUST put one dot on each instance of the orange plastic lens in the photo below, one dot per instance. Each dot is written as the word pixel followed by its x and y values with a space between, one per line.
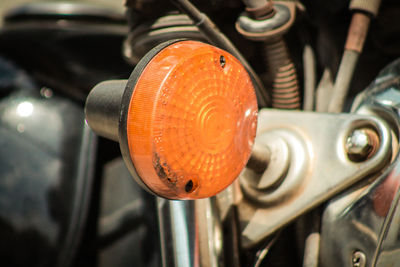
pixel 191 121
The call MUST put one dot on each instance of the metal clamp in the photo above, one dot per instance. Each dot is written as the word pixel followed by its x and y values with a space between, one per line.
pixel 319 167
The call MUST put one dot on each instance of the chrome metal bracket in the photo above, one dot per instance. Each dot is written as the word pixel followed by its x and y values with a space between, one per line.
pixel 316 167
pixel 365 218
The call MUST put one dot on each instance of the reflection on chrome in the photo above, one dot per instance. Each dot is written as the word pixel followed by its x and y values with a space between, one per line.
pixel 25 109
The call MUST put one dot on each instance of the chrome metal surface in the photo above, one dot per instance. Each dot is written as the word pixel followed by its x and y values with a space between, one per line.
pixel 319 167
pixel 366 218
pixel 190 233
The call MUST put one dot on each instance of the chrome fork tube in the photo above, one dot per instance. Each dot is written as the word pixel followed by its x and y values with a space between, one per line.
pixel 190 233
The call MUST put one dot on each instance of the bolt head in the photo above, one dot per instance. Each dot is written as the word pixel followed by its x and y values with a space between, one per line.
pixel 359 144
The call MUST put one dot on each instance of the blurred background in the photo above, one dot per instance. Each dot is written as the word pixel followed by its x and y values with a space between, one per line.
pixel 7 4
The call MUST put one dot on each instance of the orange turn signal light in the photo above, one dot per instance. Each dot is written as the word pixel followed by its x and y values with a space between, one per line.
pixel 188 118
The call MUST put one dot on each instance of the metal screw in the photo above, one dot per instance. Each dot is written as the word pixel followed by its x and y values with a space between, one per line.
pixel 359 259
pixel 361 144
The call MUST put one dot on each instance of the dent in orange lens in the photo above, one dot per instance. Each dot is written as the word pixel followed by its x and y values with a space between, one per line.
pixel 191 121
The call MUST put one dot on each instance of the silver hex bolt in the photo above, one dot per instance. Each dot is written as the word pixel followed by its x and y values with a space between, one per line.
pixel 361 144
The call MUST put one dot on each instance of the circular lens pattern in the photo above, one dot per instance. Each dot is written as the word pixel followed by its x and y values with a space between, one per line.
pixel 191 121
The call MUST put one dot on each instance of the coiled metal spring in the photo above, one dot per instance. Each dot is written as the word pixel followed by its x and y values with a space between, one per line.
pixel 285 85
